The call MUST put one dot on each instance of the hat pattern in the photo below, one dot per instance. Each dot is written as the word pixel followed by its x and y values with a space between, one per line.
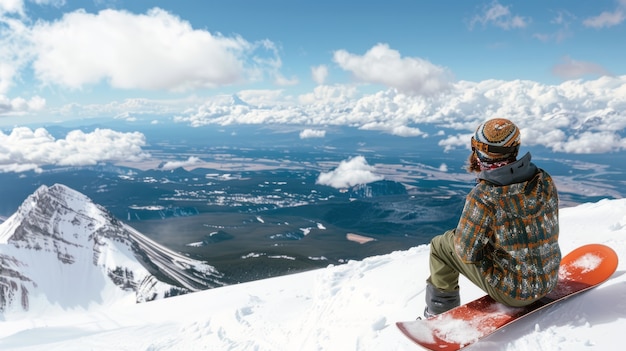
pixel 501 135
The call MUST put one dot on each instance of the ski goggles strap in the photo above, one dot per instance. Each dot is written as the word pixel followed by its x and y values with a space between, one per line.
pixel 480 146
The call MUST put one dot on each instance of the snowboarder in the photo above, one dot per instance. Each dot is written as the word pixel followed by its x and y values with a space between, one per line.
pixel 506 241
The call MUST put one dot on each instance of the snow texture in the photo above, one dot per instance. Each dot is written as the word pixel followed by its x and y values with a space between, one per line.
pixel 348 307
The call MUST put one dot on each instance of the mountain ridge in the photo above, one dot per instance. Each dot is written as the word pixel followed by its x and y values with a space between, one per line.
pixel 61 248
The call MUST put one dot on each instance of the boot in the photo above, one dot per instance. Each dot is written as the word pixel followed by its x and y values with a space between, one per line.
pixel 439 301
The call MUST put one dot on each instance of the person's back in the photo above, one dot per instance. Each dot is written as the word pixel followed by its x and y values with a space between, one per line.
pixel 506 241
pixel 521 227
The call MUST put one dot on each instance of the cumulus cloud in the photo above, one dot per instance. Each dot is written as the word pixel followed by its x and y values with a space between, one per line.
pixel 572 69
pixel 152 51
pixel 349 173
pixel 7 72
pixel 399 130
pixel 334 95
pixel 20 105
pixel 550 115
pixel 312 133
pixel 589 142
pixel 281 80
pixel 325 104
pixel 190 162
pixel 382 65
pixel 500 16
pixel 456 141
pixel 565 118
pixel 12 7
pixel 261 97
pixel 134 108
pixel 25 149
pixel 319 74
pixel 14 56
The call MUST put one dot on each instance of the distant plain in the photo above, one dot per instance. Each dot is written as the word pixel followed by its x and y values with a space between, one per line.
pixel 252 207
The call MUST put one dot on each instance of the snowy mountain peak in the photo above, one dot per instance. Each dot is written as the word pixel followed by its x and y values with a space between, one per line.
pixel 61 247
pixel 45 216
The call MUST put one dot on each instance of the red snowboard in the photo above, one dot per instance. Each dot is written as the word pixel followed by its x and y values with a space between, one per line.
pixel 582 269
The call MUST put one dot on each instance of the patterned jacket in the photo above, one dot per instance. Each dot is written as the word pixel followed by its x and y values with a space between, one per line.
pixel 510 227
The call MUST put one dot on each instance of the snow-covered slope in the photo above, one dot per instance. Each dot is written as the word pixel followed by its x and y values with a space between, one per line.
pixel 62 251
pixel 348 307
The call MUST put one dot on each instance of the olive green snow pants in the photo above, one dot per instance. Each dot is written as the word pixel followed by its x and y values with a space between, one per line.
pixel 446 265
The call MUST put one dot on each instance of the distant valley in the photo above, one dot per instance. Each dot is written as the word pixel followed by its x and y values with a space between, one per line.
pixel 254 225
pixel 253 208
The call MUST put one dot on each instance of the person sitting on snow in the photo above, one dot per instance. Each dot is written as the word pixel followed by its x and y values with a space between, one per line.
pixel 506 241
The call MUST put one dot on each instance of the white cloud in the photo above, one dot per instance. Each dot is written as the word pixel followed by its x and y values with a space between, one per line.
pixel 20 105
pixel 12 7
pixel 14 56
pixel 398 130
pixel 349 173
pixel 312 133
pixel 608 18
pixel 329 95
pixel 54 3
pixel 589 142
pixel 382 65
pixel 7 72
pixel 572 69
pixel 152 51
pixel 554 138
pixel 283 81
pixel 190 162
pixel 325 105
pixel 455 141
pixel 547 114
pixel 25 149
pixel 319 74
pixel 406 131
pixel 127 116
pixel 499 16
pixel 605 19
pixel 261 98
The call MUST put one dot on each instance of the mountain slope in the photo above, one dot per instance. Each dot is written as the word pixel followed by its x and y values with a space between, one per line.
pixel 61 249
pixel 347 307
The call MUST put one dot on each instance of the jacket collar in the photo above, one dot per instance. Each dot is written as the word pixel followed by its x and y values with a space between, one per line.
pixel 515 172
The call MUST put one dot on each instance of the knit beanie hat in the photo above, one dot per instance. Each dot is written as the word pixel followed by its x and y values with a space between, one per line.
pixel 496 140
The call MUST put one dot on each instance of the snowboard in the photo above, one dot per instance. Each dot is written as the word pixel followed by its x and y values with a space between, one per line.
pixel 580 270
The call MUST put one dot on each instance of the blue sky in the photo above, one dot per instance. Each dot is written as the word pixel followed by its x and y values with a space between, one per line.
pixel 547 42
pixel 556 68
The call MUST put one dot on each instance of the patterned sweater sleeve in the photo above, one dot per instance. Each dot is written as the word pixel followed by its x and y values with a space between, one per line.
pixel 474 228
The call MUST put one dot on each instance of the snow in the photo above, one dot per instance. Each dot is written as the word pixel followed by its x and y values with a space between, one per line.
pixel 348 307
pixel 587 263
